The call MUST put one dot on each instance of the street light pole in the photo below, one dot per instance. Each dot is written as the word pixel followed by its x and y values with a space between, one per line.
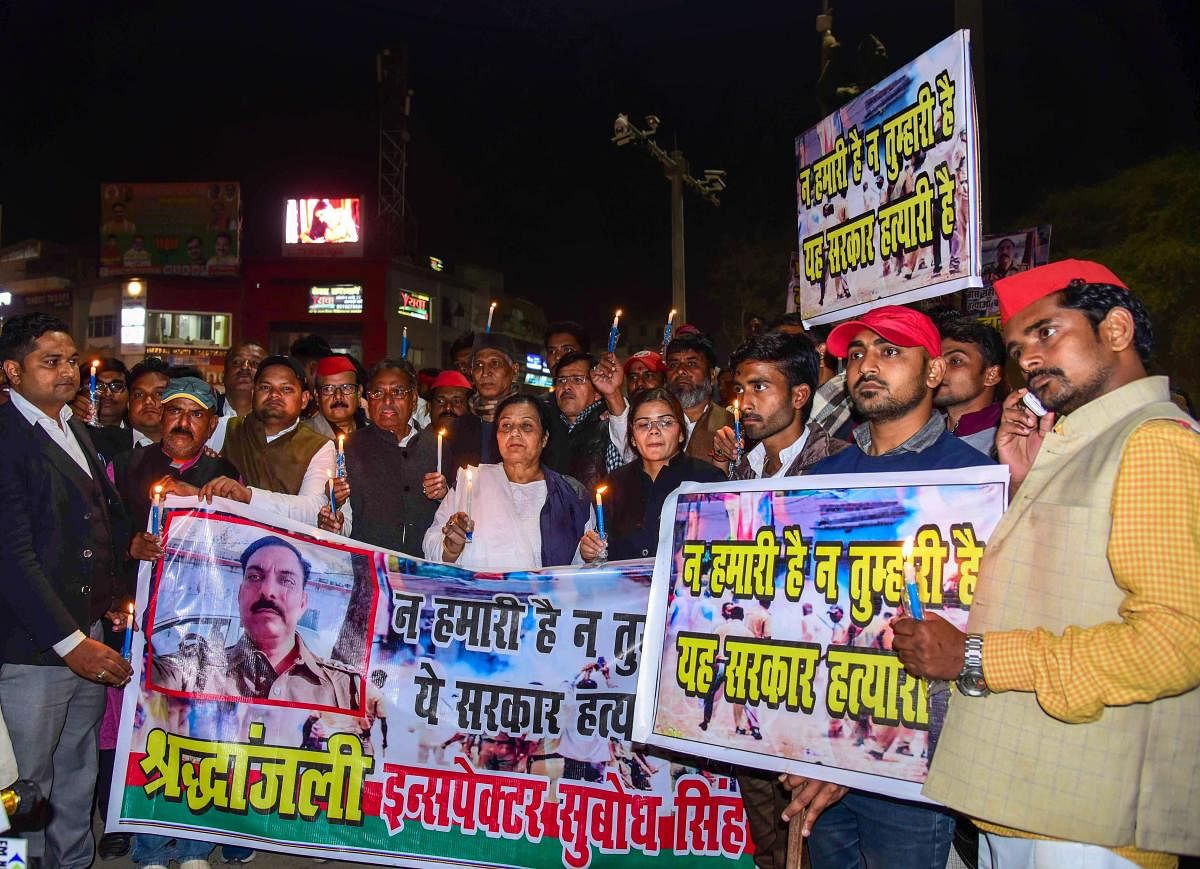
pixel 675 167
pixel 678 272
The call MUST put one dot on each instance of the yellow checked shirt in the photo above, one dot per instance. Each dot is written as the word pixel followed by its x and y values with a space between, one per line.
pixel 1153 651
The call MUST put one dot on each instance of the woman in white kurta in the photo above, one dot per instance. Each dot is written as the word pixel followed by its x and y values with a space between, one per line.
pixel 519 512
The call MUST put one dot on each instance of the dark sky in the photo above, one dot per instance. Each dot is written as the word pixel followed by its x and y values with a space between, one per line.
pixel 511 164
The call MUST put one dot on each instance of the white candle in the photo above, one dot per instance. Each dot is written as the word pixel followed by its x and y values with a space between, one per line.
pixel 441 436
pixel 491 310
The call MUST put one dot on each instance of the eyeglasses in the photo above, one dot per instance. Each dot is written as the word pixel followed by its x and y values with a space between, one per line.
pixel 572 379
pixel 492 367
pixel 396 393
pixel 643 424
pixel 346 389
pixel 116 387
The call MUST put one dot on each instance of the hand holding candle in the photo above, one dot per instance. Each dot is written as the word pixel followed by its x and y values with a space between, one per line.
pixel 612 333
pixel 127 645
pixel 92 395
pixel 156 511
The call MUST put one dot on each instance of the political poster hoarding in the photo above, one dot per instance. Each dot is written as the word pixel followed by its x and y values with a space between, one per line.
pixel 186 228
pixel 1005 255
pixel 301 692
pixel 768 636
pixel 887 192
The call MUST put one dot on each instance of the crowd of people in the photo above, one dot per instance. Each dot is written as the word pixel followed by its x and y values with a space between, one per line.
pixel 1083 645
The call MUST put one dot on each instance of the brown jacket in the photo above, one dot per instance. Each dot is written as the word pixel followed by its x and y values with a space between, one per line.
pixel 700 444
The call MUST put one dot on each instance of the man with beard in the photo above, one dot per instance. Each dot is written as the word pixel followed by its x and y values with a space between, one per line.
pixel 286 466
pixel 1004 265
pixel 967 395
pixel 894 365
pixel 339 380
pixel 241 362
pixel 391 474
pixel 473 438
pixel 775 376
pixel 644 370
pixel 690 361
pixel 831 406
pixel 189 416
pixel 270 660
pixel 579 444
pixel 1083 642
pixel 448 398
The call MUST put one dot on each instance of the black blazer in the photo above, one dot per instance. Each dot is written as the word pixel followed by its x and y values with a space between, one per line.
pixel 64 538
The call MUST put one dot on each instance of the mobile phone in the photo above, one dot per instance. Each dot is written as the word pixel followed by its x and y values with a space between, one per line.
pixel 1031 401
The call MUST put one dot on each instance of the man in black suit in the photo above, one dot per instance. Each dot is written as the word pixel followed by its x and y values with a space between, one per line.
pixel 65 536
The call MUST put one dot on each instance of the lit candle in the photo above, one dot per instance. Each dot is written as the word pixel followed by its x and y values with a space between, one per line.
pixel 737 423
pixel 332 499
pixel 915 608
pixel 600 490
pixel 612 333
pixel 470 487
pixel 127 646
pixel 156 511
pixel 441 437
pixel 491 310
pixel 667 331
pixel 341 456
pixel 404 343
pixel 95 420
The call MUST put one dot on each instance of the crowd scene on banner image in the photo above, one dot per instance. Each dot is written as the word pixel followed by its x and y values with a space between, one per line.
pixel 1082 744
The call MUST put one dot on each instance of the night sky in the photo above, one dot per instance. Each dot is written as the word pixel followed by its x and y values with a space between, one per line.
pixel 511 164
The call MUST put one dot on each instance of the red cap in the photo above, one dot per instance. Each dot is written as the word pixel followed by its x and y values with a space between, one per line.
pixel 1024 288
pixel 331 365
pixel 903 326
pixel 450 377
pixel 648 358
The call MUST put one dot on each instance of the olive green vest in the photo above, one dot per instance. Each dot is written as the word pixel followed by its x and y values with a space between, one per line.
pixel 277 466
pixel 1133 776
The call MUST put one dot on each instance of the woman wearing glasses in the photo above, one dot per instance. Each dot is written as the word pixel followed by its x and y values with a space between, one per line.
pixel 636 491
pixel 390 466
pixel 516 514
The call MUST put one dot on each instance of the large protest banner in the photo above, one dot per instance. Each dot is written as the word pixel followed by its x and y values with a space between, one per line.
pixel 186 228
pixel 887 192
pixel 428 715
pixel 768 638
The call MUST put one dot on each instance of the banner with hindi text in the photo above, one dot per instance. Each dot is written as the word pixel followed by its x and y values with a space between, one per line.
pixel 887 192
pixel 306 693
pixel 768 638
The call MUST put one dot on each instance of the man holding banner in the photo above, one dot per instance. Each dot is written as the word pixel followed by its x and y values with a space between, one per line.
pixel 894 365
pixel 1082 658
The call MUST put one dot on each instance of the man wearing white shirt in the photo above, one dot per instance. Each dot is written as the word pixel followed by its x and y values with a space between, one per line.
pixel 287 467
pixel 65 539
pixel 775 375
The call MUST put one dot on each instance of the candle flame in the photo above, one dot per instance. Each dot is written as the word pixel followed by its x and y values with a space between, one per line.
pixel 158 490
pixel 908 548
pixel 618 312
pixel 671 316
pixel 441 432
pixel 492 307
pixel 600 490
pixel 131 609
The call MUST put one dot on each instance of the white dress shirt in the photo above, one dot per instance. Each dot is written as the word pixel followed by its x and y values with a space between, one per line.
pixel 757 457
pixel 62 435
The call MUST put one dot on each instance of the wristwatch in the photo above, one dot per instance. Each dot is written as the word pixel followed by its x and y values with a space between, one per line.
pixel 970 680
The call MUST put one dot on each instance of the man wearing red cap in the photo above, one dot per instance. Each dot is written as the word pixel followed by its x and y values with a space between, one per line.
pixel 1076 742
pixel 894 364
pixel 448 397
pixel 644 370
pixel 339 382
